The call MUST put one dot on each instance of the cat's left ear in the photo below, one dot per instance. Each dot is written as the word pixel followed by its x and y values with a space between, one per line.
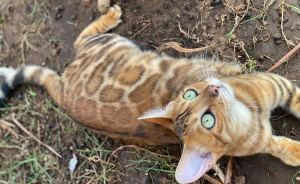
pixel 161 116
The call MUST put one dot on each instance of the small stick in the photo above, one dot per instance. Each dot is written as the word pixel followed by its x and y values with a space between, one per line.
pixel 229 171
pixel 7 126
pixel 2 121
pixel 219 172
pixel 276 65
pixel 140 31
pixel 30 134
pixel 177 47
pixel 210 179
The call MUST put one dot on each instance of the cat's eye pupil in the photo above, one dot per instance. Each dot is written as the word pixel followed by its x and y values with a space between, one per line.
pixel 190 95
pixel 208 120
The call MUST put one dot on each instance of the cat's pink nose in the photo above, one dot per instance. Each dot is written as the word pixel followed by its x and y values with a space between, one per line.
pixel 214 90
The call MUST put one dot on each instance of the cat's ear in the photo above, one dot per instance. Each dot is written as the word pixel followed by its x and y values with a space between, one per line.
pixel 161 116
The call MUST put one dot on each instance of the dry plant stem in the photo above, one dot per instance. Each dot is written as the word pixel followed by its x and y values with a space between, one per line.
pixel 281 24
pixel 7 126
pixel 219 172
pixel 140 31
pixel 210 179
pixel 137 147
pixel 177 47
pixel 30 134
pixel 2 121
pixel 229 171
pixel 2 181
pixel 276 65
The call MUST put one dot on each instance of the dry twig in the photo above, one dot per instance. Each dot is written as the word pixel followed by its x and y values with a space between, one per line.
pixel 140 31
pixel 30 134
pixel 219 172
pixel 276 65
pixel 229 171
pixel 210 179
pixel 177 47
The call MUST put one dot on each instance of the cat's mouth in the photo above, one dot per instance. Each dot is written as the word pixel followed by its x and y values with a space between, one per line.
pixel 193 164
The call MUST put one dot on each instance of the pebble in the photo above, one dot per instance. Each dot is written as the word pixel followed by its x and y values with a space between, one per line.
pixel 232 13
pixel 278 42
pixel 190 16
pixel 247 15
pixel 240 180
pixel 150 41
pixel 277 36
pixel 297 178
pixel 166 6
pixel 144 24
pixel 58 16
pixel 217 18
pixel 188 7
pixel 55 52
pixel 261 57
pixel 129 32
pixel 73 17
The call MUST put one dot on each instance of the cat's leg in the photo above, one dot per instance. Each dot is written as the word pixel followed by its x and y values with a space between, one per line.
pixel 106 22
pixel 285 149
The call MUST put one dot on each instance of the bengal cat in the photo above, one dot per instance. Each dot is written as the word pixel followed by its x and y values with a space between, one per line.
pixel 229 116
pixel 112 82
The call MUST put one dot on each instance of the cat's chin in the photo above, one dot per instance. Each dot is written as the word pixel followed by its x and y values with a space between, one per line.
pixel 193 164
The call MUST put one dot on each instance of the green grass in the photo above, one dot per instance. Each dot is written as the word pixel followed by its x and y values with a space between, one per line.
pixel 229 35
pixel 36 169
pixel 154 164
pixel 295 175
pixel 50 106
pixel 293 8
pixel 253 18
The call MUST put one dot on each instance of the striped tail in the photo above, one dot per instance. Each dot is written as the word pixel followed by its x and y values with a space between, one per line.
pixel 30 75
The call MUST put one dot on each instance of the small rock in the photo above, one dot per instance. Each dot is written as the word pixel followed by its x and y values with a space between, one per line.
pixel 297 178
pixel 165 6
pixel 58 16
pixel 144 24
pixel 232 13
pixel 150 41
pixel 261 57
pixel 188 7
pixel 248 14
pixel 129 32
pixel 240 180
pixel 73 17
pixel 191 17
pixel 277 36
pixel 55 52
pixel 278 42
pixel 221 40
pixel 217 18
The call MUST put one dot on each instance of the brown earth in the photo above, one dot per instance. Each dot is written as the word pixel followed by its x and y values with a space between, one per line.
pixel 42 33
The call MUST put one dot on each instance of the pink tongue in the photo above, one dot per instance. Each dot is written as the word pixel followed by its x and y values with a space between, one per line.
pixel 191 166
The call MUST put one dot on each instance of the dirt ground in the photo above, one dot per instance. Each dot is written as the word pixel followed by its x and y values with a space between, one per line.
pixel 41 32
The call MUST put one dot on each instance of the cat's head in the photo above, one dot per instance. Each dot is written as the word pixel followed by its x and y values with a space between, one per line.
pixel 203 116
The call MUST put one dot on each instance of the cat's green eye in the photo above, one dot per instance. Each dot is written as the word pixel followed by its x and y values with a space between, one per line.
pixel 190 95
pixel 208 120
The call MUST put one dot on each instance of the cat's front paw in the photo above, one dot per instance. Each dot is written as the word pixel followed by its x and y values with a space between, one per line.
pixel 112 17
